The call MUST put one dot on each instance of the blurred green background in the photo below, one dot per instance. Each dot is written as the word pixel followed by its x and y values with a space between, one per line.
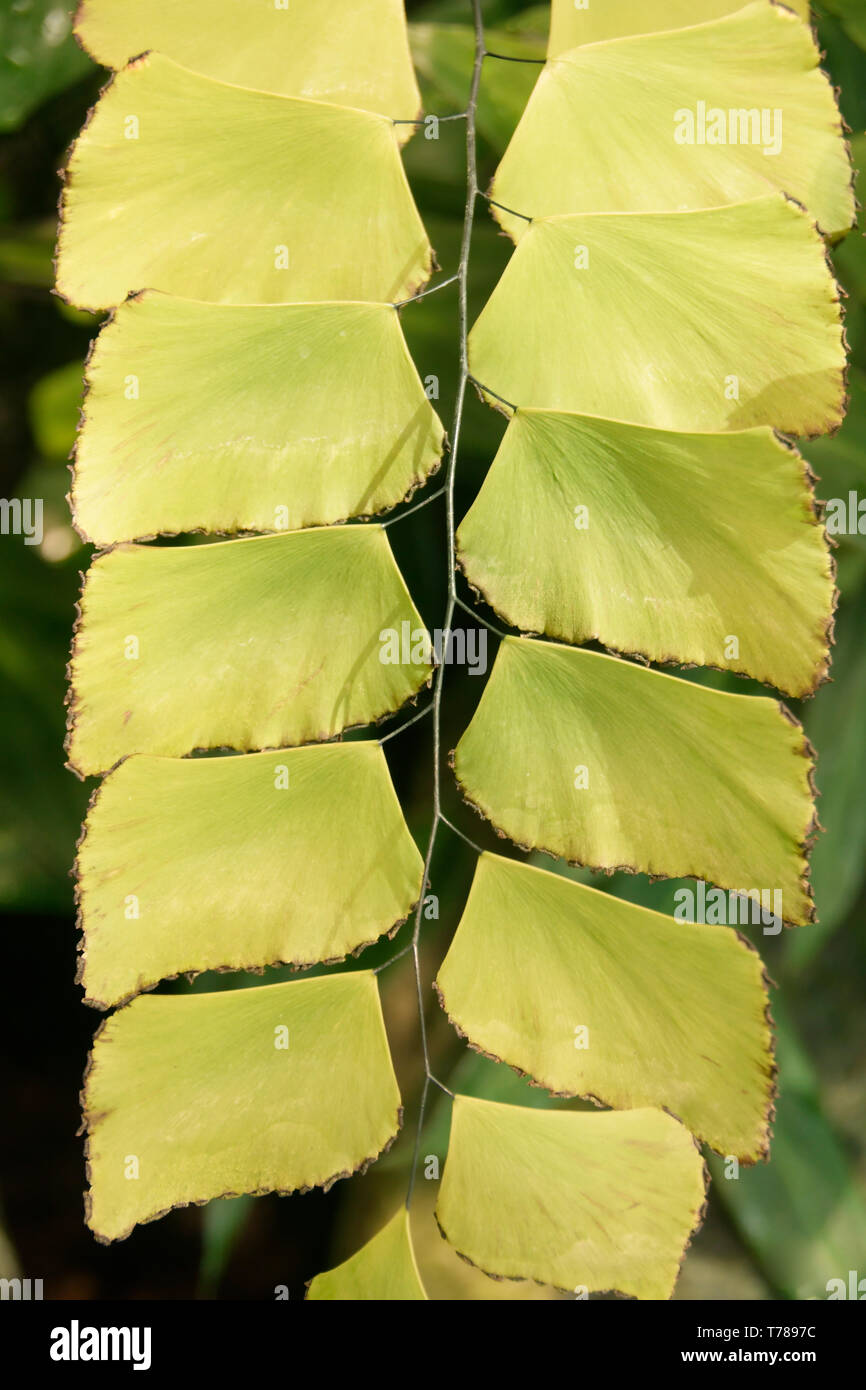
pixel 779 1231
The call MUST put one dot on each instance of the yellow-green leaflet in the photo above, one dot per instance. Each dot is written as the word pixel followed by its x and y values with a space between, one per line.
pixel 593 996
pixel 755 271
pixel 666 322
pixel 704 549
pixel 609 764
pixel 198 864
pixel 191 1097
pixel 383 1270
pixel 341 51
pixel 242 644
pixel 263 217
pixel 573 22
pixel 232 418
pixel 693 118
pixel 582 1201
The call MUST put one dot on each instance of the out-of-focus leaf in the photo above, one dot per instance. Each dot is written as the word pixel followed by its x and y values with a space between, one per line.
pixel 9 1266
pixel 801 1214
pixel 846 61
pixel 836 725
pixel 223 1221
pixel 38 56
pixel 41 807
pixel 53 407
pixel 533 22
pixel 443 55
pixel 25 256
pixel 853 17
pixel 850 266
pixel 839 460
pixel 849 257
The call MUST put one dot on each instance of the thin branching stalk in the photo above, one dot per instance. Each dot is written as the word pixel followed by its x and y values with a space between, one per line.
pixel 439 679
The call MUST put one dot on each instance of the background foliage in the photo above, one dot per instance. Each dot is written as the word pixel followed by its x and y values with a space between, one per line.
pixel 785 1227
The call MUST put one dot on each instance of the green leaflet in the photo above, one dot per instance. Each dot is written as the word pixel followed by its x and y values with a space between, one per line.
pixel 384 1270
pixel 572 23
pixel 243 644
pixel 655 542
pixel 354 55
pixel 280 1088
pixel 755 271
pixel 713 114
pixel 674 1012
pixel 280 211
pixel 543 1194
pixel 248 418
pixel 237 863
pixel 614 766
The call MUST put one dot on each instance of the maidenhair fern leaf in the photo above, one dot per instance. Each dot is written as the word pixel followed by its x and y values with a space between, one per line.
pixel 356 55
pixel 596 997
pixel 383 1270
pixel 700 548
pixel 542 1194
pixel 610 765
pixel 755 271
pixel 716 113
pixel 236 863
pixel 668 307
pixel 575 22
pixel 305 200
pixel 296 415
pixel 245 644
pixel 281 1088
